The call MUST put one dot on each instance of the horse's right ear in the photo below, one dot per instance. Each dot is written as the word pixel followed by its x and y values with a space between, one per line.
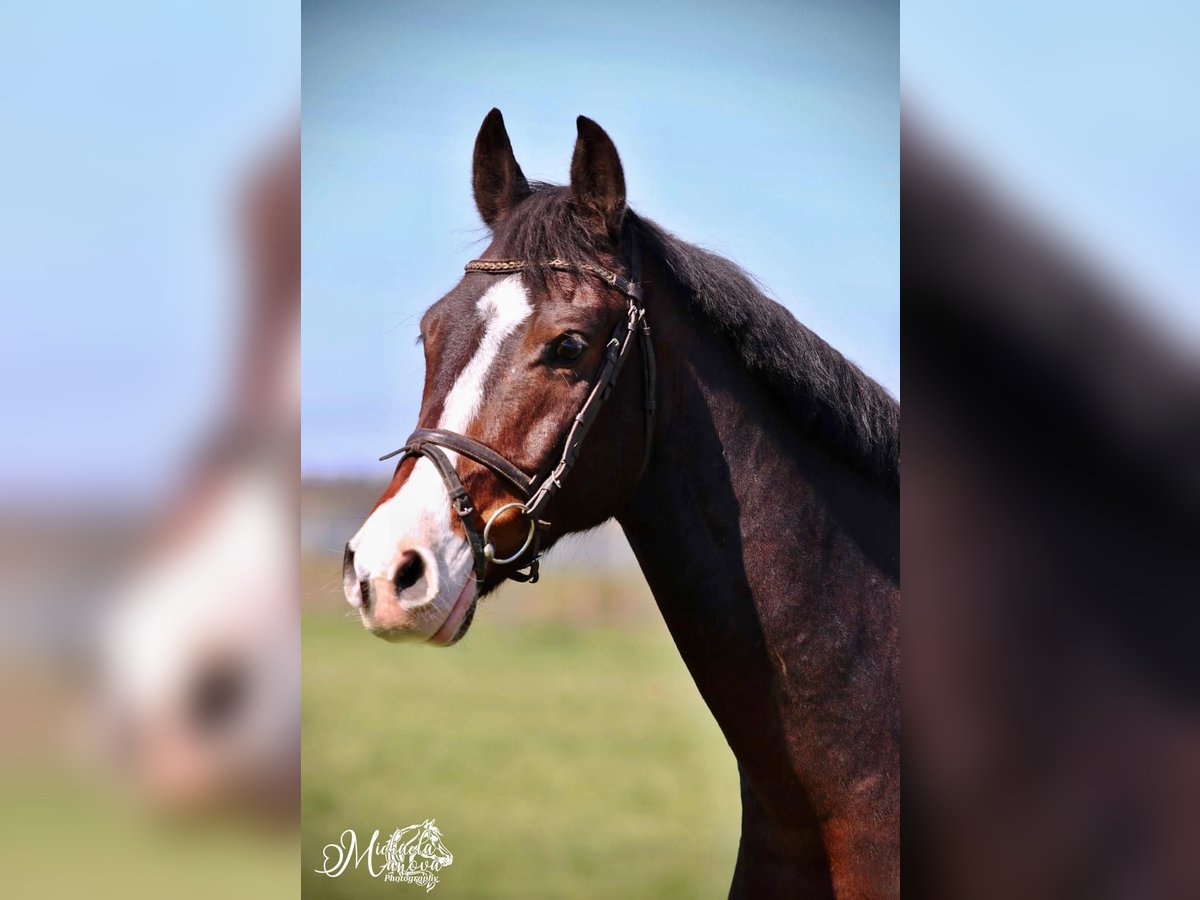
pixel 497 179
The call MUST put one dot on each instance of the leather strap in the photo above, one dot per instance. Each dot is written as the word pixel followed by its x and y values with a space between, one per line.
pixel 502 266
pixel 614 359
pixel 472 449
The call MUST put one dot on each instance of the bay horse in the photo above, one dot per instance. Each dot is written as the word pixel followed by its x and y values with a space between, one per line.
pixel 753 469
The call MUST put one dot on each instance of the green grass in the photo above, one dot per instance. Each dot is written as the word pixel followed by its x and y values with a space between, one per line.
pixel 65 835
pixel 559 760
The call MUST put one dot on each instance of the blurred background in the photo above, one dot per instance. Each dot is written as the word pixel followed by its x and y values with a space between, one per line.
pixel 1082 115
pixel 149 232
pixel 1051 500
pixel 562 747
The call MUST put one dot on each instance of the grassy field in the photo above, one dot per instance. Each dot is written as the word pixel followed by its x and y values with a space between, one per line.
pixel 64 834
pixel 562 749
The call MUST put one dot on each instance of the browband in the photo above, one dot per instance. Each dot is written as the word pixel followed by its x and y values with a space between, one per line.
pixel 504 266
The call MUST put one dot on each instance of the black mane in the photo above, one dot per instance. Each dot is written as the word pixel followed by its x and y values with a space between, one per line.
pixel 828 396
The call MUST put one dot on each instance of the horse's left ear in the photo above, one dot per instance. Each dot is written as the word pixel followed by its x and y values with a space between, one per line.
pixel 597 179
pixel 496 177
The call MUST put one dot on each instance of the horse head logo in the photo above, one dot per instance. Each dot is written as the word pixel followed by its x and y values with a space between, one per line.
pixel 415 849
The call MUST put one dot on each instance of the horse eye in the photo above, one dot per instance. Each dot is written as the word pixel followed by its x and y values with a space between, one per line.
pixel 570 347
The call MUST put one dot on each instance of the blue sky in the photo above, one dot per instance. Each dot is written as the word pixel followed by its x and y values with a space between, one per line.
pixel 1087 113
pixel 767 132
pixel 128 127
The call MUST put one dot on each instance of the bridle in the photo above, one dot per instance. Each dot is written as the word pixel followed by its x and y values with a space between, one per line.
pixel 538 492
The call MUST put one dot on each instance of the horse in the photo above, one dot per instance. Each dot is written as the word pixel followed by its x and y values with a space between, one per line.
pixel 752 468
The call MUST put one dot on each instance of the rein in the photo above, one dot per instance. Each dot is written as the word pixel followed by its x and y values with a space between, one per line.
pixel 536 493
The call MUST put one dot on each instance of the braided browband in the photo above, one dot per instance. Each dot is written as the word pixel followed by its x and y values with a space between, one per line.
pixel 495 266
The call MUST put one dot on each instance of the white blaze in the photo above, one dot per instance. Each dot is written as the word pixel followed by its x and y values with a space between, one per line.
pixel 503 308
pixel 420 512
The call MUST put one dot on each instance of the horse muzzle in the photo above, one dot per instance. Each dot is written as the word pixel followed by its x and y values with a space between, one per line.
pixel 412 598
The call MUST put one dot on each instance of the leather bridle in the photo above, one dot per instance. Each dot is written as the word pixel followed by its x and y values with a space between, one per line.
pixel 537 492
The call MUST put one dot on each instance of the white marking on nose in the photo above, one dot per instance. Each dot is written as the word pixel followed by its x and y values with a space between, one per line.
pixel 420 513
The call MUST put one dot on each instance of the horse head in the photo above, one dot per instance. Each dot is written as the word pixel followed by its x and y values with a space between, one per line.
pixel 527 345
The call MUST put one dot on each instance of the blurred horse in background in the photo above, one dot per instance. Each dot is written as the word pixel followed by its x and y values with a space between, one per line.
pixel 1051 523
pixel 198 693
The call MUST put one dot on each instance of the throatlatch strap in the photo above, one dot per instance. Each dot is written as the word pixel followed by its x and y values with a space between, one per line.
pixel 614 360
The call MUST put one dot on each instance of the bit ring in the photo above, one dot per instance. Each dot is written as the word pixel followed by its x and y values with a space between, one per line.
pixel 489 550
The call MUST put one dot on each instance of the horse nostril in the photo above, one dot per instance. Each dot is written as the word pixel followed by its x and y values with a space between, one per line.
pixel 411 569
pixel 364 588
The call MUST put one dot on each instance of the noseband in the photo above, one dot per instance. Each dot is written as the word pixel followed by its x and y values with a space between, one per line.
pixel 536 493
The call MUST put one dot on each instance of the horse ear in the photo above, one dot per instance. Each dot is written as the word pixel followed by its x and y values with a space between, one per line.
pixel 597 179
pixel 497 179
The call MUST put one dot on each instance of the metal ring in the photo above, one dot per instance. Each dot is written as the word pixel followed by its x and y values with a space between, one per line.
pixel 489 551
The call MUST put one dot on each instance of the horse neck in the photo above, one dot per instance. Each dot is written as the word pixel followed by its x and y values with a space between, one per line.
pixel 774 563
